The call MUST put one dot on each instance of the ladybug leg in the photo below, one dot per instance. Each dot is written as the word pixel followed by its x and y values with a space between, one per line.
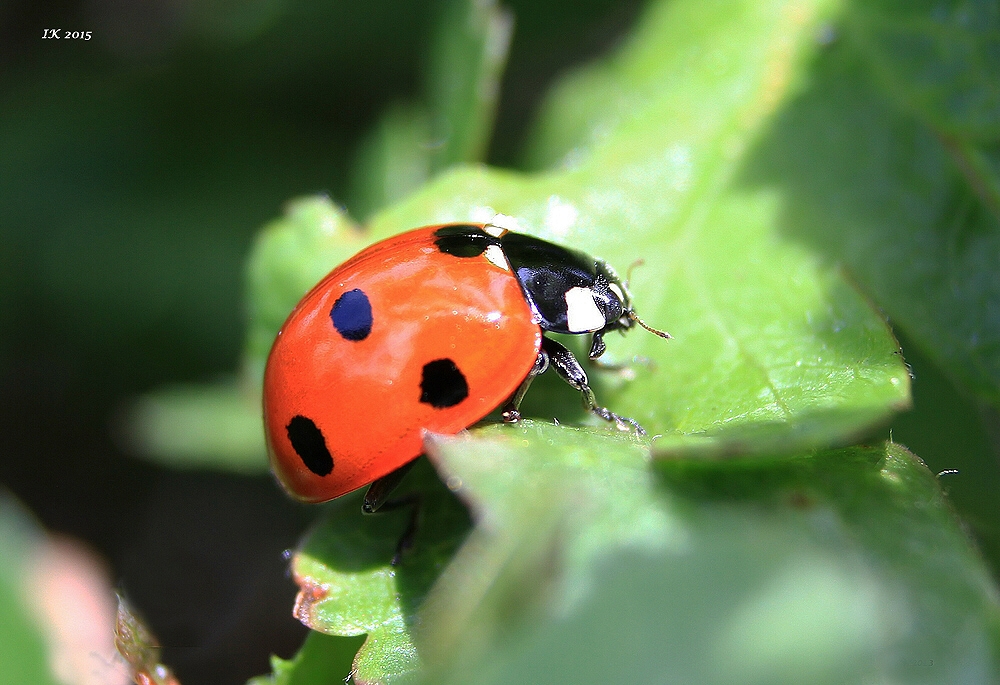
pixel 378 493
pixel 597 345
pixel 510 411
pixel 570 370
pixel 377 500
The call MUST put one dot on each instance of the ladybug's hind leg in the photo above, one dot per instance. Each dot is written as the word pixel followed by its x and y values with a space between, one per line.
pixel 570 370
pixel 377 500
pixel 377 496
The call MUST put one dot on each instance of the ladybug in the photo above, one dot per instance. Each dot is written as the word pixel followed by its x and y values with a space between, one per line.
pixel 429 330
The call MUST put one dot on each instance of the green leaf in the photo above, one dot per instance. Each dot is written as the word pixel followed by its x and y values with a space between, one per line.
pixel 941 59
pixel 876 190
pixel 320 656
pixel 349 587
pixel 463 79
pixel 532 487
pixel 981 168
pixel 846 566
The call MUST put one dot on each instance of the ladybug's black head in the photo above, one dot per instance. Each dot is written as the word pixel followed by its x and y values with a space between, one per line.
pixel 568 290
pixel 614 301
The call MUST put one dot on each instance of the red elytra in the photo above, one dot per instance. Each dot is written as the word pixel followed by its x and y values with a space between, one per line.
pixel 342 410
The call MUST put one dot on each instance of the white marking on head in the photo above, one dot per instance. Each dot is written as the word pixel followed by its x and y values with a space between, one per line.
pixel 617 291
pixel 494 254
pixel 582 313
pixel 494 230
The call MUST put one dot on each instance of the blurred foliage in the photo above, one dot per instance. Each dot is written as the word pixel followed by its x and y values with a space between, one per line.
pixel 220 427
pixel 139 648
pixel 791 172
pixel 843 566
pixel 23 658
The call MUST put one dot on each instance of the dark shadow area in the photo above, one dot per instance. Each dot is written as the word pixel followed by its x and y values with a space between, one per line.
pixel 872 189
pixel 946 429
pixel 877 193
pixel 785 482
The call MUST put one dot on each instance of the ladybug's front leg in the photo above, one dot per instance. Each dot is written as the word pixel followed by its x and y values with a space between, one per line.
pixel 511 407
pixel 570 370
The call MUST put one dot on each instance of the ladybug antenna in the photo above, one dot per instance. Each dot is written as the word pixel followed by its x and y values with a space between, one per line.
pixel 631 314
pixel 628 274
pixel 656 331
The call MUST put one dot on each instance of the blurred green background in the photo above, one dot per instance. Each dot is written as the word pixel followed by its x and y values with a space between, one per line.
pixel 135 170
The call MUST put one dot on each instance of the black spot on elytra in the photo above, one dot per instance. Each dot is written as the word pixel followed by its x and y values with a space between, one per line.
pixel 307 441
pixel 442 384
pixel 352 315
pixel 463 241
